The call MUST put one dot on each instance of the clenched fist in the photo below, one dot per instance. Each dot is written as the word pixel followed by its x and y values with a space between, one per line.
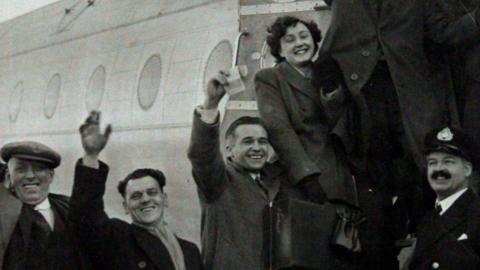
pixel 215 90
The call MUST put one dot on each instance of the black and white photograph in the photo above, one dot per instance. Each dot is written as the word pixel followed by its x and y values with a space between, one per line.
pixel 239 134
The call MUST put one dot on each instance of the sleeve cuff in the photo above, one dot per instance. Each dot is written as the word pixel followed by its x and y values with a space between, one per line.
pixel 208 116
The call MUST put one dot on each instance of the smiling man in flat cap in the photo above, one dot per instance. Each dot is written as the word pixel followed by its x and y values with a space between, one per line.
pixel 449 237
pixel 34 227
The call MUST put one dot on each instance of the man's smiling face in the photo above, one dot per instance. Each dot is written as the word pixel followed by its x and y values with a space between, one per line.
pixel 29 179
pixel 144 200
pixel 447 173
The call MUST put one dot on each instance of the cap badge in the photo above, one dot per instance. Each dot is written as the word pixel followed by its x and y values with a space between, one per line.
pixel 445 135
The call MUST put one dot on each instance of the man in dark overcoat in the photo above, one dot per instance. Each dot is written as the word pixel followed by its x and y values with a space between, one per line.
pixel 35 232
pixel 463 59
pixel 449 237
pixel 147 243
pixel 379 46
pixel 235 192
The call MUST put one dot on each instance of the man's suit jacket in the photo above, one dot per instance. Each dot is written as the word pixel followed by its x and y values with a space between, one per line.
pixel 439 242
pixel 359 33
pixel 10 209
pixel 232 204
pixel 301 130
pixel 113 243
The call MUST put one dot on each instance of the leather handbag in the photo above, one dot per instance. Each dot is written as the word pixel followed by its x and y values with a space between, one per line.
pixel 345 236
pixel 297 233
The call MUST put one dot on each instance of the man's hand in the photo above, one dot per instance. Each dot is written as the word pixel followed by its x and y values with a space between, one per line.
pixel 215 90
pixel 312 190
pixel 93 141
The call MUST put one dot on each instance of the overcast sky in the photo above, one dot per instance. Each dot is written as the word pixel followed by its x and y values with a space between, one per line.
pixel 13 8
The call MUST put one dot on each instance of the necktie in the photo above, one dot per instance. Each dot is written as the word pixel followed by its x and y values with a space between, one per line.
pixel 438 209
pixel 40 228
pixel 261 185
pixel 39 237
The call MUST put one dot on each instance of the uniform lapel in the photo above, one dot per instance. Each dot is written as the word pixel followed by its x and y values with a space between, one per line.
pixel 436 228
pixel 157 253
pixel 298 82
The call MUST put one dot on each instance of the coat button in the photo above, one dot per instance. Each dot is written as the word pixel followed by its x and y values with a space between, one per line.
pixel 354 77
pixel 435 265
pixel 142 264
pixel 366 53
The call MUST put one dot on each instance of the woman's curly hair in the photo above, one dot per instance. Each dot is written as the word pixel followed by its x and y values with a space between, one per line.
pixel 278 29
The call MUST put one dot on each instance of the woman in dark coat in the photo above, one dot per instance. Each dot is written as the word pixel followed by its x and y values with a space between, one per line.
pixel 305 124
pixel 308 114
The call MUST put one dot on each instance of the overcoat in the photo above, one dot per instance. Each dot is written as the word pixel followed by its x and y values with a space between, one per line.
pixel 113 243
pixel 463 58
pixel 362 32
pixel 232 204
pixel 10 209
pixel 452 240
pixel 300 130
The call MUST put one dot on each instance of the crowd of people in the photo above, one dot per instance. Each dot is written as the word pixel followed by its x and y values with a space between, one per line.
pixel 383 117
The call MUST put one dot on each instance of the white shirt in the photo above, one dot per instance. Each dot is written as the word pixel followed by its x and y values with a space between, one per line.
pixel 45 209
pixel 447 202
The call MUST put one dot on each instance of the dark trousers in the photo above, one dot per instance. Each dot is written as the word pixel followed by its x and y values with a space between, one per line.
pixel 390 191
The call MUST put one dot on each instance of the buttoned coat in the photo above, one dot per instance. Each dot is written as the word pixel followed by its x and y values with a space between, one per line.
pixel 452 240
pixel 360 31
pixel 113 243
pixel 232 203
pixel 301 130
pixel 10 209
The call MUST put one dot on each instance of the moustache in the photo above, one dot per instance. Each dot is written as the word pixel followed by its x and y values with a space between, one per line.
pixel 443 173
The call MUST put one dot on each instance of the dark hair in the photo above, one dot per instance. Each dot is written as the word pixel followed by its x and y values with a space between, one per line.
pixel 278 29
pixel 244 120
pixel 140 173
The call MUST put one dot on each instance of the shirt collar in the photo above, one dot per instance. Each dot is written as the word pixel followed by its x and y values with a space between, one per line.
pixel 447 202
pixel 255 176
pixel 44 205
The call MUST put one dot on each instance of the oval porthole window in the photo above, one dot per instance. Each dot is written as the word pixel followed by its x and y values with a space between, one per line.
pixel 52 95
pixel 16 98
pixel 267 60
pixel 149 82
pixel 95 89
pixel 219 59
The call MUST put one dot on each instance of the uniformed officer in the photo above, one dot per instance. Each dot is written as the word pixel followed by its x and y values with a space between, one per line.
pixel 449 236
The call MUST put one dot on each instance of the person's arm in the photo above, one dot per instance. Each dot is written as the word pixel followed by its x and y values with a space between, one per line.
pixel 208 167
pixel 303 172
pixel 445 28
pixel 90 222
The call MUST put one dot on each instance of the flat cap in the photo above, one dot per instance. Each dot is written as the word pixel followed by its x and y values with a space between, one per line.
pixel 31 151
pixel 451 140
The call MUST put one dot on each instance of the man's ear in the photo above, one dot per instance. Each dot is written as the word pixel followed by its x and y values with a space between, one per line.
pixel 52 174
pixel 125 208
pixel 228 149
pixel 165 200
pixel 468 168
pixel 7 180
